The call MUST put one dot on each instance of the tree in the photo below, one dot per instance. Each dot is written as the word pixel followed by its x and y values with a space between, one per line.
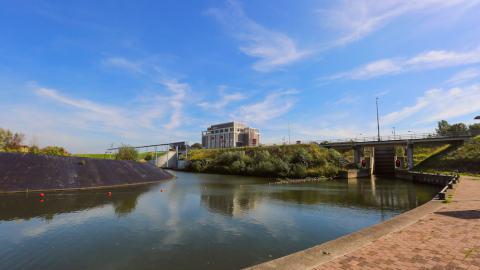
pixel 474 127
pixel 196 145
pixel 127 152
pixel 443 127
pixel 17 140
pixel 459 127
pixel 3 136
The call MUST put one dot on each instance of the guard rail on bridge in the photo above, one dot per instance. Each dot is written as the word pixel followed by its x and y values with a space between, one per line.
pixel 403 137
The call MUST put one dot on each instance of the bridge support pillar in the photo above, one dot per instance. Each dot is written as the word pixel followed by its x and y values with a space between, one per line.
pixel 357 156
pixel 410 155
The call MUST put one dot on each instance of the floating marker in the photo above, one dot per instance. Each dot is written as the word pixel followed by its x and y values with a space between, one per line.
pixel 41 200
pixel 161 190
pixel 41 195
pixel 205 188
pixel 109 193
pixel 240 185
pixel 269 184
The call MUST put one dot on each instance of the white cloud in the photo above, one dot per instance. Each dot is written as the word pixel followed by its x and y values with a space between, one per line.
pixel 276 104
pixel 225 99
pixel 357 19
pixel 123 63
pixel 438 104
pixel 275 48
pixel 423 61
pixel 464 76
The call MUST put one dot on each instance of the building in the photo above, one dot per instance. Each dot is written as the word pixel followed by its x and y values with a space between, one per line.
pixel 231 134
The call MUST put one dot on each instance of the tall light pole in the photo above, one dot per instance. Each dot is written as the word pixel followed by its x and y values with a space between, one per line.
pixel 356 137
pixel 289 142
pixel 378 121
pixel 414 134
pixel 394 132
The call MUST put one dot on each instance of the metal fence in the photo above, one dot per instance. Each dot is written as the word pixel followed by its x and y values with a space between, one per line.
pixel 403 137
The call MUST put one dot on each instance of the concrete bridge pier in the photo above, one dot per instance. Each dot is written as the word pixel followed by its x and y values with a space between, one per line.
pixel 410 154
pixel 357 156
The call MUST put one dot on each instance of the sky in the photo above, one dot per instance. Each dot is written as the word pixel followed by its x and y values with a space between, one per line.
pixel 86 74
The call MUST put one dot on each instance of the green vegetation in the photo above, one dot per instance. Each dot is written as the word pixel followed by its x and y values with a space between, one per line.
pixel 282 161
pixel 446 201
pixel 107 156
pixel 465 158
pixel 127 152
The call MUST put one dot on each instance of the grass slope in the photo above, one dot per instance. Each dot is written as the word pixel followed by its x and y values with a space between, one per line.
pixel 465 158
pixel 107 156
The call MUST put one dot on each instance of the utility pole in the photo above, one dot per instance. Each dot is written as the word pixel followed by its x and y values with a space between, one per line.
pixel 378 121
pixel 289 142
pixel 394 132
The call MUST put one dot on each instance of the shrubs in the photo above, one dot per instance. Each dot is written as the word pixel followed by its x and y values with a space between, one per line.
pixel 149 156
pixel 296 161
pixel 127 152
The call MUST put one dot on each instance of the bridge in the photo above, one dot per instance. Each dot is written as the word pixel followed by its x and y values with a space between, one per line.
pixel 408 140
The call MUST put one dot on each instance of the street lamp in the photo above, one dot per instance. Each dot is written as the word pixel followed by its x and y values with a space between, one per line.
pixel 414 134
pixel 356 137
pixel 393 132
pixel 378 121
pixel 289 142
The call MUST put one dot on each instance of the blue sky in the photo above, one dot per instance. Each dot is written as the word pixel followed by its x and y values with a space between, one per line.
pixel 87 74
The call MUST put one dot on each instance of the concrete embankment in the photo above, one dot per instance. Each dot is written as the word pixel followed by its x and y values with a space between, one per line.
pixel 35 172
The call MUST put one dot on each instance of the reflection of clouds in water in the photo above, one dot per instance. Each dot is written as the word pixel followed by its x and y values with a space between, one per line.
pixel 67 220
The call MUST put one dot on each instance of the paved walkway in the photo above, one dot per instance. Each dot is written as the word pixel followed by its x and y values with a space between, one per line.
pixel 446 239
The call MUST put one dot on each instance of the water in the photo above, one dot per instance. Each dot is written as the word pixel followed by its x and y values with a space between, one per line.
pixel 188 227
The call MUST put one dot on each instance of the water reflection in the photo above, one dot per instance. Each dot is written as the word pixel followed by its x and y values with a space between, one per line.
pixel 189 227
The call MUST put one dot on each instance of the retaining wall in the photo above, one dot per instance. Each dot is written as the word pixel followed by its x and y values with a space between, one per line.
pixel 354 174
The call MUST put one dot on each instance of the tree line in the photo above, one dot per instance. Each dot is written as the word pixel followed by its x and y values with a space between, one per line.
pixel 444 127
pixel 10 142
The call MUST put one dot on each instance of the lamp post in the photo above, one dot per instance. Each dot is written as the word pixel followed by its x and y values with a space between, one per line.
pixel 393 132
pixel 378 121
pixel 356 137
pixel 414 134
pixel 289 142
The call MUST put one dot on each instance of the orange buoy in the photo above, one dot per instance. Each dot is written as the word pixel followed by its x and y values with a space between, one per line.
pixel 41 200
pixel 240 185
pixel 205 188
pixel 109 193
pixel 161 190
pixel 41 195
pixel 269 184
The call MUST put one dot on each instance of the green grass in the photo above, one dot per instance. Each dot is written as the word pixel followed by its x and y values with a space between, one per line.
pixel 107 156
pixel 465 158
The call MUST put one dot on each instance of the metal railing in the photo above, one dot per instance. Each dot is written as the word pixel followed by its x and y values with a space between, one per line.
pixel 403 137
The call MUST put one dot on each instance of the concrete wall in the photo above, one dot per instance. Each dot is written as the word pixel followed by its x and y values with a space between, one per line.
pixel 172 160
pixel 441 180
pixel 354 174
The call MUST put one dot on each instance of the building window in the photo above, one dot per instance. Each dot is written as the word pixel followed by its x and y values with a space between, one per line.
pixel 257 130
pixel 221 130
pixel 231 129
pixel 216 131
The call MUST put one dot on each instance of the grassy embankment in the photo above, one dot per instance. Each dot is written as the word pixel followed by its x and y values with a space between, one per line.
pixel 282 161
pixel 107 156
pixel 465 158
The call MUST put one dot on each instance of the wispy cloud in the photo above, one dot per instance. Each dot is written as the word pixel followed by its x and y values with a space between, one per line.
pixel 423 61
pixel 273 47
pixel 123 63
pixel 464 76
pixel 275 104
pixel 438 104
pixel 225 99
pixel 357 19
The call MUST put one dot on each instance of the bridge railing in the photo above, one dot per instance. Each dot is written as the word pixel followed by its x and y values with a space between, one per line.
pixel 409 136
pixel 402 137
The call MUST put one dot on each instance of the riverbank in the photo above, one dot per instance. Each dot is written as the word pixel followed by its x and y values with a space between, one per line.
pixel 22 172
pixel 432 236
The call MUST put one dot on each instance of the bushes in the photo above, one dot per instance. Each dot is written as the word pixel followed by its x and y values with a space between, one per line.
pixel 127 152
pixel 297 161
pixel 149 156
pixel 53 150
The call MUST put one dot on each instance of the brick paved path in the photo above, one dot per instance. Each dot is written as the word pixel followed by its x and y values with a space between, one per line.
pixel 446 239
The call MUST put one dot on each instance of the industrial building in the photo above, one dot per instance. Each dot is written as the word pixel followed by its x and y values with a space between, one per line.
pixel 232 134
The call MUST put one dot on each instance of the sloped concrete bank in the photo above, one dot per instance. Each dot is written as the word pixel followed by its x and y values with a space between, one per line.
pixel 22 171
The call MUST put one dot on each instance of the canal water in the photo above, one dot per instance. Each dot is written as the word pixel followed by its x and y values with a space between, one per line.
pixel 186 226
